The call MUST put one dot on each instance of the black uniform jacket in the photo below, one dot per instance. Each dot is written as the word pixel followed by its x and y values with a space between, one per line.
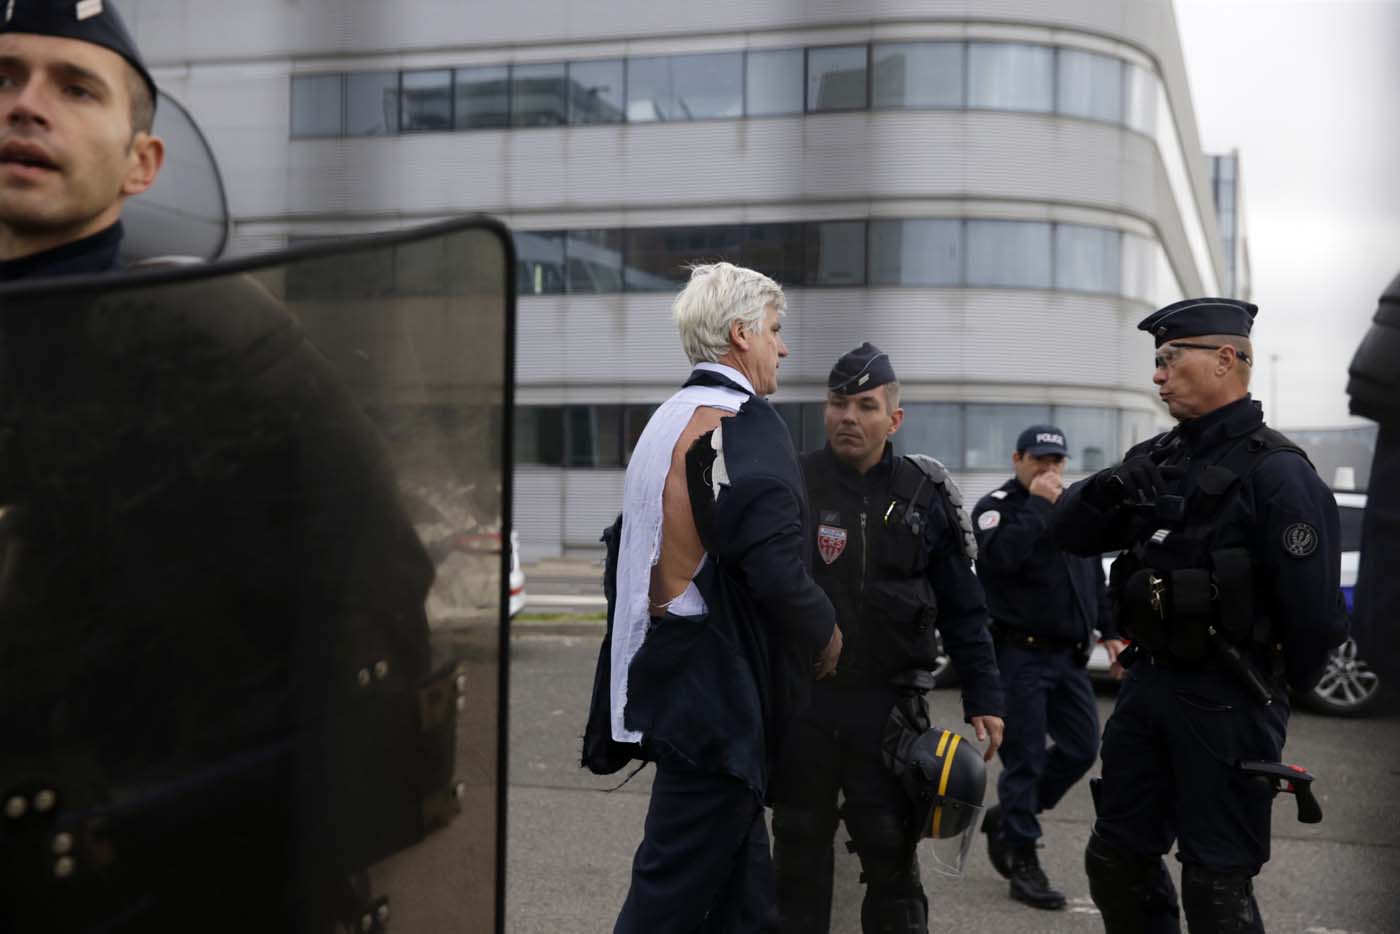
pixel 204 537
pixel 719 692
pixel 94 253
pixel 865 566
pixel 1282 514
pixel 1032 586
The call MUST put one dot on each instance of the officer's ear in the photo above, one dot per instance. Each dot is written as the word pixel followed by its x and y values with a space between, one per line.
pixel 896 419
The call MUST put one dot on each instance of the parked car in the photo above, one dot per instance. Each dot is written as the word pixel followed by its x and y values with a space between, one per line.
pixel 1349 687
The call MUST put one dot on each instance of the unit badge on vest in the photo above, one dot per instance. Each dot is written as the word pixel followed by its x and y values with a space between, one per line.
pixel 831 541
pixel 1300 539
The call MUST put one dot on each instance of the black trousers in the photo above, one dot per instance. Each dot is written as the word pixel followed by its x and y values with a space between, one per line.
pixel 1047 693
pixel 1169 755
pixel 703 864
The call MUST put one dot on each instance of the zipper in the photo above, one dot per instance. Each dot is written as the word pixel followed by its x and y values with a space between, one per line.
pixel 862 555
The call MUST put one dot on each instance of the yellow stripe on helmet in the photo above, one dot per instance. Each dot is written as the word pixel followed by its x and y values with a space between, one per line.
pixel 943 779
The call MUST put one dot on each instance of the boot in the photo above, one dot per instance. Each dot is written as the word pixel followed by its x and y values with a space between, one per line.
pixel 1028 881
pixel 996 843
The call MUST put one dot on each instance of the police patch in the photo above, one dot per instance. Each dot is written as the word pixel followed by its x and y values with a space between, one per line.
pixel 831 541
pixel 1300 539
pixel 989 520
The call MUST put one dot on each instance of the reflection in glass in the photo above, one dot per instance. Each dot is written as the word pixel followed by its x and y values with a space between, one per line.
pixel 1090 85
pixel 1008 253
pixel 773 82
pixel 427 100
pixel 1010 76
pixel 1091 434
pixel 835 253
pixel 915 252
pixel 836 77
pixel 316 105
pixel 917 74
pixel 595 92
pixel 1086 258
pixel 992 431
pixel 775 250
pixel 594 261
pixel 537 95
pixel 932 428
pixel 483 97
pixel 659 258
pixel 685 87
pixel 372 103
pixel 539 262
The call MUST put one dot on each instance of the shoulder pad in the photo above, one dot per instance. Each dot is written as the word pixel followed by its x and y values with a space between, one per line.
pixel 997 494
pixel 952 496
pixel 1269 441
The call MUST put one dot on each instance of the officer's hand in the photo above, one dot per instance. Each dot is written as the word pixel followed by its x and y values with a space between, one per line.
pixel 1113 647
pixel 989 729
pixel 826 662
pixel 1136 480
pixel 1047 485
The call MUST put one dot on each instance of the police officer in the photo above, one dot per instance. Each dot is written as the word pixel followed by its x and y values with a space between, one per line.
pixel 1229 590
pixel 894 557
pixel 1045 606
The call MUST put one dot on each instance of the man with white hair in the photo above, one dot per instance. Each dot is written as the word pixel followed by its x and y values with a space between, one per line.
pixel 715 626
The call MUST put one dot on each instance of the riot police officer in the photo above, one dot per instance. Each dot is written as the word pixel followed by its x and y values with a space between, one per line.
pixel 1045 606
pixel 1229 590
pixel 894 552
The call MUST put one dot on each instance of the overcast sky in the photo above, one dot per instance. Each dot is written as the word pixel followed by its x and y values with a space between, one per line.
pixel 1309 92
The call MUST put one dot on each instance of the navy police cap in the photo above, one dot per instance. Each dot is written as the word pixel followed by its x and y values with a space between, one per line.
pixel 1039 440
pixel 94 21
pixel 1196 317
pixel 863 368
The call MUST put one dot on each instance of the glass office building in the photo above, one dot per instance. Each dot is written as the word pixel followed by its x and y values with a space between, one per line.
pixel 996 199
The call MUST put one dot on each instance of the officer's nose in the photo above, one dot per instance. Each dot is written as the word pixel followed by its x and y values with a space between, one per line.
pixel 26 108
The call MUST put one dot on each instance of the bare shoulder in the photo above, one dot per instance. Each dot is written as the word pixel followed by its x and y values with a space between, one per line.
pixel 705 418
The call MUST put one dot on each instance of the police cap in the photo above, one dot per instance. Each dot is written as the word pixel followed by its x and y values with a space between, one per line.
pixel 95 21
pixel 1195 317
pixel 1039 440
pixel 863 368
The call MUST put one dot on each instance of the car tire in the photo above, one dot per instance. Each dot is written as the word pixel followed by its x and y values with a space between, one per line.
pixel 1349 687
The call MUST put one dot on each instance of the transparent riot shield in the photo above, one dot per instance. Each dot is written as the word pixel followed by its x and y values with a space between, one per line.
pixel 253 592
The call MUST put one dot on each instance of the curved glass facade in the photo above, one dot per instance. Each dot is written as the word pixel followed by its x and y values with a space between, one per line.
pixel 917 252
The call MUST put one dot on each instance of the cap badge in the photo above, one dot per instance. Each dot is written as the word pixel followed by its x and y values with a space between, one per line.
pixel 863 380
pixel 1161 332
pixel 87 9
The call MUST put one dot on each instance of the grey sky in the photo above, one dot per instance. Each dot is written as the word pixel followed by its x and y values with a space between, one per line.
pixel 1309 92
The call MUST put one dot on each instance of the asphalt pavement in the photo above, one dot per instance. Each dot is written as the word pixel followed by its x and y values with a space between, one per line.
pixel 572 834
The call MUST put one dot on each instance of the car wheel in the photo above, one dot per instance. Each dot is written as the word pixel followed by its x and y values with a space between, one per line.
pixel 1349 688
pixel 944 675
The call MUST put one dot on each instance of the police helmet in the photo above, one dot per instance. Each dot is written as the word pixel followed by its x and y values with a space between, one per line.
pixel 946 779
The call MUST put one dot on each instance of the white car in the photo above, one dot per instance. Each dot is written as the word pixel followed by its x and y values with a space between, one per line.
pixel 1349 688
pixel 517 576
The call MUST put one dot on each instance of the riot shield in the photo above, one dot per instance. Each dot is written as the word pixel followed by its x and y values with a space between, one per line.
pixel 252 590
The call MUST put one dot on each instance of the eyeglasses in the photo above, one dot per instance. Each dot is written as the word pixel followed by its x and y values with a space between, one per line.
pixel 1164 360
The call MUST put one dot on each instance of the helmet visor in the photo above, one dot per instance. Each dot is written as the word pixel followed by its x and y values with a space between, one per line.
pixel 951 827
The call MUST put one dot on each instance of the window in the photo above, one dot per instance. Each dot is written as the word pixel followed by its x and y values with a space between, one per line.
pixel 932 428
pixel 317 105
pixel 792 415
pixel 916 252
pixel 1008 253
pixel 1133 427
pixel 813 426
pixel 1010 76
pixel 1140 99
pixel 372 103
pixel 539 262
pixel 483 97
pixel 594 435
pixel 992 431
pixel 426 101
pixel 775 250
pixel 595 92
pixel 594 261
pixel 1090 85
pixel 1138 268
pixel 634 422
pixel 539 435
pixel 836 77
pixel 835 253
pixel 685 87
pixel 658 257
pixel 773 83
pixel 1086 258
pixel 1091 434
pixel 537 96
pixel 917 74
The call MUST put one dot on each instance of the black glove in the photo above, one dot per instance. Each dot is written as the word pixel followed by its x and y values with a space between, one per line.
pixel 1136 480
